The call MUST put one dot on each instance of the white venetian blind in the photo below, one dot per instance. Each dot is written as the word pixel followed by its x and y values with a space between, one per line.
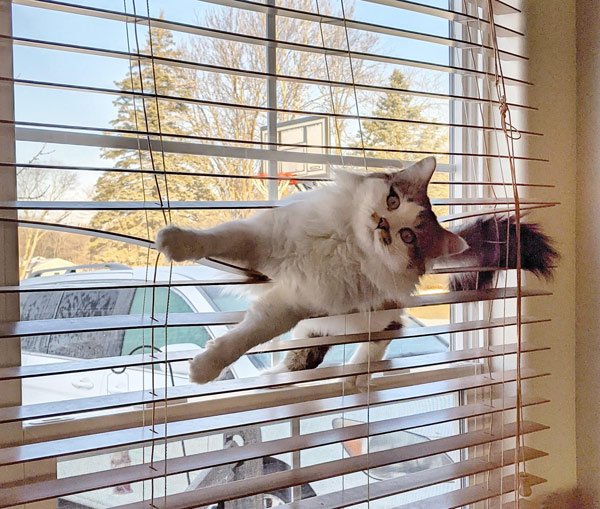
pixel 132 114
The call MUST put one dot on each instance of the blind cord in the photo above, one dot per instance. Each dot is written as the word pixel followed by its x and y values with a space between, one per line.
pixel 511 135
pixel 487 364
pixel 141 162
pixel 166 212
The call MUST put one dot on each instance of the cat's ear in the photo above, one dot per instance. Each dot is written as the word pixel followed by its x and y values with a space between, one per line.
pixel 348 178
pixel 452 244
pixel 420 173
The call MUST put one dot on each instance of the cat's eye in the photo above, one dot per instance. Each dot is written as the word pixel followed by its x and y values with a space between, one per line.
pixel 393 200
pixel 407 236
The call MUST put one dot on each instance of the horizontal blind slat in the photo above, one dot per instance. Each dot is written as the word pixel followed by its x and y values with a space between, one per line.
pixel 402 484
pixel 302 475
pixel 140 435
pixel 454 15
pixel 502 7
pixel 487 212
pixel 265 9
pixel 192 137
pixel 43 490
pixel 471 494
pixel 367 87
pixel 123 399
pixel 265 109
pixel 280 178
pixel 126 322
pixel 370 57
pixel 146 243
pixel 125 361
pixel 220 205
pixel 118 284
pixel 282 11
pixel 227 151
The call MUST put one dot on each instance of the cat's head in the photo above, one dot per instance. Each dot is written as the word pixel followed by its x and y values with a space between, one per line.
pixel 394 221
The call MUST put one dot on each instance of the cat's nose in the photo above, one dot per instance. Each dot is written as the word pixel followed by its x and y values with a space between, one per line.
pixel 383 224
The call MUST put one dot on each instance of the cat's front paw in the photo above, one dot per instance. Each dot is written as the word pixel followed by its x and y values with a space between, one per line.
pixel 203 369
pixel 178 244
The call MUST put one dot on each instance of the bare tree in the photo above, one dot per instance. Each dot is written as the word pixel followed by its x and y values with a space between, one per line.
pixel 243 124
pixel 37 184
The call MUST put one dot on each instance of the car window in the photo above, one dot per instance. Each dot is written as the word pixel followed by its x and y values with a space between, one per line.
pixel 38 306
pixel 76 304
pixel 226 298
pixel 143 304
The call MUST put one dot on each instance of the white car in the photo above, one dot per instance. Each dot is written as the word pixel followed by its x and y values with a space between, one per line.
pixel 40 305
pixel 129 301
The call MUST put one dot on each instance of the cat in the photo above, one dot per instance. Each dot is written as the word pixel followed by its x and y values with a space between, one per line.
pixel 359 244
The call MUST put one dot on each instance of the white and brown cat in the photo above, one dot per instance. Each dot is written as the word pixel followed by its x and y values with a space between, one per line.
pixel 356 245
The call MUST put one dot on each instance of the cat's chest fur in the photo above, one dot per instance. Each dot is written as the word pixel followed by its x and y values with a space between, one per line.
pixel 312 249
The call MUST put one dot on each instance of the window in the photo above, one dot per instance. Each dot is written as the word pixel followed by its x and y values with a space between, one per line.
pixel 129 115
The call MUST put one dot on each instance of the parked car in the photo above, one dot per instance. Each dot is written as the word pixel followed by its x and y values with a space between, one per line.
pixel 108 301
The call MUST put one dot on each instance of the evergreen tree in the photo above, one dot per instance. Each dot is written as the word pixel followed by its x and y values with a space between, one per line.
pixel 135 115
pixel 402 135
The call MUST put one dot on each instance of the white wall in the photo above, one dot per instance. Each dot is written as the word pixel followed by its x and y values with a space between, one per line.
pixel 588 246
pixel 550 31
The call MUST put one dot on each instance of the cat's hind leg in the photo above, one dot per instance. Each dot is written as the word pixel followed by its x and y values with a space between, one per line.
pixel 302 358
pixel 310 358
pixel 271 315
pixel 366 353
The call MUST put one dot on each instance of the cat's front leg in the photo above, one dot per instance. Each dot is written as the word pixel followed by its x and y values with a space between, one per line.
pixel 271 315
pixel 180 244
pixel 235 241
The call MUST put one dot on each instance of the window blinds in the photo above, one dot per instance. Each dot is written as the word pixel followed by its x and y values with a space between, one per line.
pixel 129 115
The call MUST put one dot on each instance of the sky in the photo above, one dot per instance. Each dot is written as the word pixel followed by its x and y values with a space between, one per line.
pixel 54 106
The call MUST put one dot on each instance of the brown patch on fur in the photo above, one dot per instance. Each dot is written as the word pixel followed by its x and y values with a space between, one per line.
pixel 411 190
pixel 429 237
pixel 394 325
pixel 315 356
pixel 417 261
pixel 386 236
pixel 306 358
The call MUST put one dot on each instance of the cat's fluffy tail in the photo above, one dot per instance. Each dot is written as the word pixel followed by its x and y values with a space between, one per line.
pixel 487 239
